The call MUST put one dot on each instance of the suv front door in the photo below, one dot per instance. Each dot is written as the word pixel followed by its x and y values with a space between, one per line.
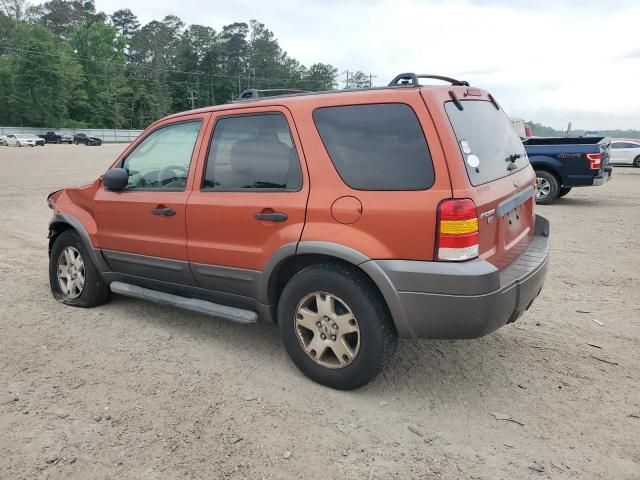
pixel 249 198
pixel 141 229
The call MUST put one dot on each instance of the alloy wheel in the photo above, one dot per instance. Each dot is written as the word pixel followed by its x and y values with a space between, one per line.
pixel 71 272
pixel 327 330
pixel 543 188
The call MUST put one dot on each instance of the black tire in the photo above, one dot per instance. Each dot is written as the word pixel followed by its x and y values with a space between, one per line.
pixel 564 191
pixel 95 292
pixel 636 162
pixel 554 187
pixel 377 335
pixel 75 142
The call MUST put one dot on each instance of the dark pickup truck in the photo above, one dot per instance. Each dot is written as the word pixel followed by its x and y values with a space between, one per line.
pixel 55 137
pixel 564 163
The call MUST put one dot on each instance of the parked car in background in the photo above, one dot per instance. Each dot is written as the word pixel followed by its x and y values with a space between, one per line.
pixel 84 139
pixel 39 141
pixel 3 140
pixel 565 162
pixel 349 219
pixel 20 140
pixel 625 152
pixel 56 137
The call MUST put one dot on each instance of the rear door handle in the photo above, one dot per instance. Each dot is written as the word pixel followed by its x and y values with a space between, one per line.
pixel 163 211
pixel 268 215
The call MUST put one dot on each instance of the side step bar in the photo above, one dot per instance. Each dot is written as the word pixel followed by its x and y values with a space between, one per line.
pixel 200 306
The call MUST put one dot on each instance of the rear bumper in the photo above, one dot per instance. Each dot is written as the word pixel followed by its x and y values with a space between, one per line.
pixel 603 178
pixel 463 300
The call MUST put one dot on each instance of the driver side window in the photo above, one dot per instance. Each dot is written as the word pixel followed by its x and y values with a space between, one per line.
pixel 161 161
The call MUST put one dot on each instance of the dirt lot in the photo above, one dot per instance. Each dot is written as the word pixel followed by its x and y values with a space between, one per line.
pixel 134 390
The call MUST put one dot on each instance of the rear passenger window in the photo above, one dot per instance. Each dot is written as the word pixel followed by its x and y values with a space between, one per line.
pixel 252 152
pixel 376 146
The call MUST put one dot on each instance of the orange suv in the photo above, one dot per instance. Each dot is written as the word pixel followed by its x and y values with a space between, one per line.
pixel 349 218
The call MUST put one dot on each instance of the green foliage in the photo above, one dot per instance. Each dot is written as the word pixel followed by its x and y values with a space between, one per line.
pixel 62 63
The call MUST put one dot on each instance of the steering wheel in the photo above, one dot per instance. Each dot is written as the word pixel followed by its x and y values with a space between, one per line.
pixel 171 174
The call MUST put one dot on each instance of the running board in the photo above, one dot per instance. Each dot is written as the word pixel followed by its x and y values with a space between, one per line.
pixel 200 306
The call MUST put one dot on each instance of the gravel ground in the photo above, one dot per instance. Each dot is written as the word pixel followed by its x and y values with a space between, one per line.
pixel 135 390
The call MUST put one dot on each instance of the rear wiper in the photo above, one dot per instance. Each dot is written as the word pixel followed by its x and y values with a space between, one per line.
pixel 512 158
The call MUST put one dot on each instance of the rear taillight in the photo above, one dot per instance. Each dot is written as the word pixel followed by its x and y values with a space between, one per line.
pixel 457 237
pixel 594 160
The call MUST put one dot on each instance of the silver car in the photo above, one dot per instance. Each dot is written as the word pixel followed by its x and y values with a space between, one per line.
pixel 625 152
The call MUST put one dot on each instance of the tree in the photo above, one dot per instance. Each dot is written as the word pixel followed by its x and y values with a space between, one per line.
pixel 44 75
pixel 126 23
pixel 64 16
pixel 321 76
pixel 359 80
pixel 100 53
pixel 64 63
pixel 13 10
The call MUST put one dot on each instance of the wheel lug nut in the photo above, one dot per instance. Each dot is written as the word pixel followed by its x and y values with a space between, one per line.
pixel 323 336
pixel 335 327
pixel 333 337
pixel 318 324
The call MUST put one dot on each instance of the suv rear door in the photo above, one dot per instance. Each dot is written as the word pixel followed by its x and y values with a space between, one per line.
pixel 489 165
pixel 249 197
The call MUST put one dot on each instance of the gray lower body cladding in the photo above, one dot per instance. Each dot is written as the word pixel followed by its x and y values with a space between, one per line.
pixel 465 300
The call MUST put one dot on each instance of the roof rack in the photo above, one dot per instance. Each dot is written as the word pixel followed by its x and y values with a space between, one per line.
pixel 411 79
pixel 253 93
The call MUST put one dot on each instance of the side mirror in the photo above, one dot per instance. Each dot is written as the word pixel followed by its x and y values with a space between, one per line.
pixel 116 179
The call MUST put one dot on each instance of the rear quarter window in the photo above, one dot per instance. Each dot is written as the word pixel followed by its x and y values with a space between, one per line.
pixel 487 140
pixel 376 146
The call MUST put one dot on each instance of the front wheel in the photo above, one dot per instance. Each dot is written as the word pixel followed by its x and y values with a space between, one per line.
pixel 636 162
pixel 73 277
pixel 547 187
pixel 335 326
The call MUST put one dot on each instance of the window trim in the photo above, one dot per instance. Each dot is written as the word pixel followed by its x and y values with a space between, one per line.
pixel 249 190
pixel 120 163
pixel 433 168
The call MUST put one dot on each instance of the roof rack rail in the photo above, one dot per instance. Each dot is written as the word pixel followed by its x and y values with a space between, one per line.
pixel 252 93
pixel 411 79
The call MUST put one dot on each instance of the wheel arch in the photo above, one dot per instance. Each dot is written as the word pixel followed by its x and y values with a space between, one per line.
pixel 292 260
pixel 547 164
pixel 62 222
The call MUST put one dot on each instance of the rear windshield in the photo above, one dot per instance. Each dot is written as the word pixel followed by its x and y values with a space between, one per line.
pixel 376 146
pixel 487 140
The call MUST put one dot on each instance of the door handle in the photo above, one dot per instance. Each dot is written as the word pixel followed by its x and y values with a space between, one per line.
pixel 268 215
pixel 163 211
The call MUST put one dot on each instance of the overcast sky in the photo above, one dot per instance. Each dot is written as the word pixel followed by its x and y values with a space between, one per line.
pixel 544 60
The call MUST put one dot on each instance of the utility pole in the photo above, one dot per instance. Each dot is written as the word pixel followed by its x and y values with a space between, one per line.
pixel 346 85
pixel 193 97
pixel 371 77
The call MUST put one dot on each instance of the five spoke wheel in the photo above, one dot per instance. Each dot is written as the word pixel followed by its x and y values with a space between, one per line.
pixel 327 330
pixel 71 272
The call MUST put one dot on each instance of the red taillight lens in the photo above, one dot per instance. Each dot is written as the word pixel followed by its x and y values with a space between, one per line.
pixel 457 238
pixel 595 160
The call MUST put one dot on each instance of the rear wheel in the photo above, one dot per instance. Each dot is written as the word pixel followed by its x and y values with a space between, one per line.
pixel 335 327
pixel 636 162
pixel 73 277
pixel 547 187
